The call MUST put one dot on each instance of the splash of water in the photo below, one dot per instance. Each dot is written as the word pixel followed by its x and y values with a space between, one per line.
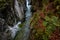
pixel 14 29
pixel 28 12
pixel 25 29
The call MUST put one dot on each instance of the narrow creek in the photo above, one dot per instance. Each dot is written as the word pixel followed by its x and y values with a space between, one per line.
pixel 27 25
pixel 23 33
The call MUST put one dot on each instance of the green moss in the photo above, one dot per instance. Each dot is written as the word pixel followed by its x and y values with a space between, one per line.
pixel 21 25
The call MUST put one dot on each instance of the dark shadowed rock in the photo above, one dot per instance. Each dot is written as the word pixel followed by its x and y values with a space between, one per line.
pixel 8 17
pixel 4 34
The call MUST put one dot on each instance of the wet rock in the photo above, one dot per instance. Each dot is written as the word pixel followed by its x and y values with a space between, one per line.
pixel 8 17
pixel 2 25
pixel 4 35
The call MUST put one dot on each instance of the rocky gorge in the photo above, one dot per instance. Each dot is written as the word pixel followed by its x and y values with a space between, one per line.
pixel 29 19
pixel 9 16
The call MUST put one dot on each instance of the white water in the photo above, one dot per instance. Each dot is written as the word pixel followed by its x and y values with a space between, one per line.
pixel 28 13
pixel 14 29
pixel 26 29
pixel 27 25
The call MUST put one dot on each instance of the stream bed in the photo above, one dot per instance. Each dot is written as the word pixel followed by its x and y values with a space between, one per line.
pixel 23 33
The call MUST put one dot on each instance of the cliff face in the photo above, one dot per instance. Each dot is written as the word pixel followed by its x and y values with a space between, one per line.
pixel 7 10
pixel 8 16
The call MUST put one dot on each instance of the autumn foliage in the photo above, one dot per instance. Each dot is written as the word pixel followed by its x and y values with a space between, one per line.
pixel 45 23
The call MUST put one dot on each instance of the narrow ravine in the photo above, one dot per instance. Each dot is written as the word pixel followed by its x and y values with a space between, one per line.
pixel 29 19
pixel 24 32
pixel 27 25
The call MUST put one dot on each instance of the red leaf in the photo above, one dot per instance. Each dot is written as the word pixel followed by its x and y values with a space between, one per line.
pixel 42 15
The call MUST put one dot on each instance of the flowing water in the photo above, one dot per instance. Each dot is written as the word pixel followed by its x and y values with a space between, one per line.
pixel 14 29
pixel 27 25
pixel 24 32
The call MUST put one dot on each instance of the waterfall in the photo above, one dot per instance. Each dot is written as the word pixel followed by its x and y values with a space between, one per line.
pixel 15 28
pixel 26 27
pixel 28 13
